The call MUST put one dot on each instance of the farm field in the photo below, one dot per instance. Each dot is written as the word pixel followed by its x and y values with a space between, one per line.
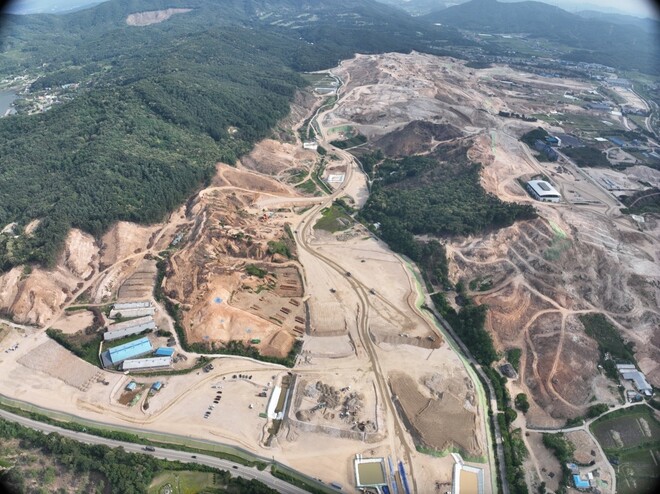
pixel 183 482
pixel 631 438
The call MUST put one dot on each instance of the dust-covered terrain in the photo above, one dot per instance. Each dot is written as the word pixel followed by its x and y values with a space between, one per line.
pixel 536 276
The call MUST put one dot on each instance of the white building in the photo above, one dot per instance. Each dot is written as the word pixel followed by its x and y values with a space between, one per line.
pixel 127 328
pixel 146 363
pixel 313 145
pixel 132 309
pixel 630 373
pixel 543 191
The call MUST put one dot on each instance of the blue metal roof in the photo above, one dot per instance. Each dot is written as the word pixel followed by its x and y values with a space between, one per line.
pixel 164 352
pixel 157 385
pixel 579 483
pixel 129 350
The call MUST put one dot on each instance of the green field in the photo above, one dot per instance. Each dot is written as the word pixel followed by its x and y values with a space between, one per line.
pixel 334 220
pixel 183 482
pixel 631 438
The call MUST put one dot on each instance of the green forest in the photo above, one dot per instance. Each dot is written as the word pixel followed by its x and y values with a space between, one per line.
pixel 112 469
pixel 419 195
pixel 158 106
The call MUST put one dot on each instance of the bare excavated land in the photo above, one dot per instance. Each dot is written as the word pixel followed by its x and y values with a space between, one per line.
pixel 246 263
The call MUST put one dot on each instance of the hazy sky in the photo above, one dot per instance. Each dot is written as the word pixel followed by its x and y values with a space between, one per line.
pixel 642 8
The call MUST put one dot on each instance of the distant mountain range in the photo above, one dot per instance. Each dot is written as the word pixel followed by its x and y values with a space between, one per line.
pixel 599 38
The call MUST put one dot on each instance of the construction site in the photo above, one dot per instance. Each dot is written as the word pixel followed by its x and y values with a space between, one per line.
pixel 248 260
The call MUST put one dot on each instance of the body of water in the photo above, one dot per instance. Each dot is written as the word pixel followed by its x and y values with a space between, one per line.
pixel 6 99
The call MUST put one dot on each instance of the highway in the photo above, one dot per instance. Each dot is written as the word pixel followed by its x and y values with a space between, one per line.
pixel 166 454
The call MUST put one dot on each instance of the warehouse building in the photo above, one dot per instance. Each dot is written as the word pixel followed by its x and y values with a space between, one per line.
pixel 132 309
pixel 146 363
pixel 546 149
pixel 164 352
pixel 630 373
pixel 543 191
pixel 115 356
pixel 128 328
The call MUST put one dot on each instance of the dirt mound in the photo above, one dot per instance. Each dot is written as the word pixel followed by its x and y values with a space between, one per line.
pixel 415 138
pixel 423 409
pixel 273 157
pixel 152 16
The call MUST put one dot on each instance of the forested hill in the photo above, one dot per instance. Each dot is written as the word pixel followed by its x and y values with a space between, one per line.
pixel 592 40
pixel 154 105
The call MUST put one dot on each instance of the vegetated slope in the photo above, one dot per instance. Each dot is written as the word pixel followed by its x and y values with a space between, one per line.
pixel 592 40
pixel 436 195
pixel 156 104
pixel 138 143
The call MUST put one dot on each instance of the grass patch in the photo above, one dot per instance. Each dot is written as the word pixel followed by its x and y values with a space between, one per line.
pixel 254 270
pixel 334 219
pixel 308 187
pixel 356 140
pixel 182 482
pixel 294 478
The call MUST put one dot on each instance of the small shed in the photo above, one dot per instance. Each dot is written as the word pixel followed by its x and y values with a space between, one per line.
pixel 157 385
pixel 131 386
pixel 164 352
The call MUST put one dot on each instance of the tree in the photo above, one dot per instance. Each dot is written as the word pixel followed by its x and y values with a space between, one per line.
pixel 521 402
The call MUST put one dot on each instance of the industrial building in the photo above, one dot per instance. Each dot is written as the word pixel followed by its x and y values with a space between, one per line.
pixel 546 149
pixel 146 363
pixel 543 191
pixel 630 373
pixel 115 356
pixel 553 140
pixel 132 309
pixel 128 328
pixel 164 352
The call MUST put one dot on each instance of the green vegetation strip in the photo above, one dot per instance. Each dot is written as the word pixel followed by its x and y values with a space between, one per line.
pixel 156 439
pixel 120 470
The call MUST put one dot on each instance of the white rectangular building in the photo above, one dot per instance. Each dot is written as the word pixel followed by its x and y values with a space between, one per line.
pixel 137 312
pixel 543 191
pixel 128 328
pixel 146 363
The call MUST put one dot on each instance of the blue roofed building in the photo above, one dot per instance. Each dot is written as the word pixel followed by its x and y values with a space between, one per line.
pixel 580 483
pixel 164 352
pixel 116 355
pixel 157 385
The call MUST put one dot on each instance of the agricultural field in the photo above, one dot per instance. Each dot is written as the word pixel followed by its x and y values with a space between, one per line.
pixel 183 482
pixel 581 124
pixel 334 219
pixel 631 441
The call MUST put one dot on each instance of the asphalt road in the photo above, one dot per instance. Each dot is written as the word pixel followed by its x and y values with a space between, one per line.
pixel 166 454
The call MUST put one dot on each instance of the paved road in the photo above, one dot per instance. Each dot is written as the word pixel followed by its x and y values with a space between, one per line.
pixel 166 454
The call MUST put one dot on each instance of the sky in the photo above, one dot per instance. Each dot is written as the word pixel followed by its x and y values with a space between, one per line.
pixel 640 8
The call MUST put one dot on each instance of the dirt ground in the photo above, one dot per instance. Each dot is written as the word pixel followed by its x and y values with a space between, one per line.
pixel 72 322
pixel 579 256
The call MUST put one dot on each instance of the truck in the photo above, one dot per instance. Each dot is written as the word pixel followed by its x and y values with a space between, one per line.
pixel 149 448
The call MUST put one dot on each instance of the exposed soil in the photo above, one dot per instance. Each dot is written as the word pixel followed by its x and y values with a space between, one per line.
pixel 153 16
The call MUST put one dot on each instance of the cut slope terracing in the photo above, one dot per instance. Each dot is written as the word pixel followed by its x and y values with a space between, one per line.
pixel 538 276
